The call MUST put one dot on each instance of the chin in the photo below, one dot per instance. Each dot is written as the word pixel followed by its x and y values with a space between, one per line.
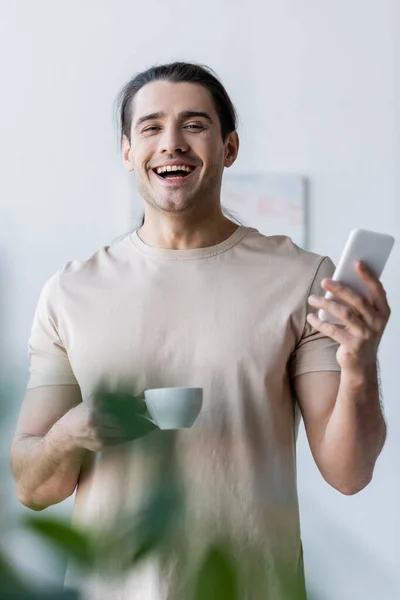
pixel 173 203
pixel 174 207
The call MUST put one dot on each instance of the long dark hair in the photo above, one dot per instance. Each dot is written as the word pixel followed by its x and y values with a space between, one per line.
pixel 178 72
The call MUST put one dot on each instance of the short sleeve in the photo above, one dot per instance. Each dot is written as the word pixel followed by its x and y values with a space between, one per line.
pixel 49 364
pixel 315 351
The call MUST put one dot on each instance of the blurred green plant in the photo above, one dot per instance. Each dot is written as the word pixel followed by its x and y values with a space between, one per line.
pixel 64 538
pixel 14 587
pixel 148 532
pixel 129 411
pixel 217 577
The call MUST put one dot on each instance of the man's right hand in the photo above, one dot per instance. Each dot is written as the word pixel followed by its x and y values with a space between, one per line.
pixel 106 419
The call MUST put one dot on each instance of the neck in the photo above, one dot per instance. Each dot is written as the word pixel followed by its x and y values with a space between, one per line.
pixel 161 231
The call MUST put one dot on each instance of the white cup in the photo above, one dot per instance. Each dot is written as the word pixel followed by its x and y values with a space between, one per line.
pixel 174 408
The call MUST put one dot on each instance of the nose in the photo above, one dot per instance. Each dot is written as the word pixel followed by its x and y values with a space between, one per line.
pixel 173 141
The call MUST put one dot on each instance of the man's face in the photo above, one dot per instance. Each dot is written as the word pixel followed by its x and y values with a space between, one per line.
pixel 176 125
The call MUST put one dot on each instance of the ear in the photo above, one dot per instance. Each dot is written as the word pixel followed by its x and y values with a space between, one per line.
pixel 127 157
pixel 231 148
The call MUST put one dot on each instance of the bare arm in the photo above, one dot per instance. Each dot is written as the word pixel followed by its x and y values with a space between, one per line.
pixel 342 413
pixel 45 458
pixel 344 424
pixel 56 430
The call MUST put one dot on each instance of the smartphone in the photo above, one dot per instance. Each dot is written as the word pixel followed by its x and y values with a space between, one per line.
pixel 369 246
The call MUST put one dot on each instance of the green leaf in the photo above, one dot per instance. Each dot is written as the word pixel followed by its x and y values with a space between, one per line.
pixel 155 520
pixel 127 403
pixel 63 537
pixel 129 411
pixel 217 578
pixel 38 593
pixel 12 587
pixel 10 581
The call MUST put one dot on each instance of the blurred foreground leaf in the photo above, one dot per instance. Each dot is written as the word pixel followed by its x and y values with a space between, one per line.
pixel 217 579
pixel 155 520
pixel 293 587
pixel 128 410
pixel 13 587
pixel 64 538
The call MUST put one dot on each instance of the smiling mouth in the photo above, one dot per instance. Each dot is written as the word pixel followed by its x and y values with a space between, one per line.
pixel 174 174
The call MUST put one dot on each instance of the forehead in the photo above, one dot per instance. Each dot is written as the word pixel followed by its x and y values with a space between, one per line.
pixel 172 98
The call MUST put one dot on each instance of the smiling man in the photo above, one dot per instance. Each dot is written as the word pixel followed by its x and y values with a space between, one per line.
pixel 181 187
pixel 193 299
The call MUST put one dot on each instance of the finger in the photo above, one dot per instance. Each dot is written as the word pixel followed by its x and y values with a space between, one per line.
pixel 335 332
pixel 345 314
pixel 105 420
pixel 107 429
pixel 375 287
pixel 108 435
pixel 111 440
pixel 107 423
pixel 360 303
pixel 110 431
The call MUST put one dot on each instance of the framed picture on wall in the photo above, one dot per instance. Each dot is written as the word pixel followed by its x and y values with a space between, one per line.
pixel 273 203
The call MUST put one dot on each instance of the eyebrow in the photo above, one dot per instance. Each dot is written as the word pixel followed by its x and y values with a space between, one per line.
pixel 186 114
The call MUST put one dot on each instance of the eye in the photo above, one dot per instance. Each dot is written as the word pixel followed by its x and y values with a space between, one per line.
pixel 194 126
pixel 150 129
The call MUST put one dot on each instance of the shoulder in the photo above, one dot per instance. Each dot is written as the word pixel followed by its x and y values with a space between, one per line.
pixel 101 265
pixel 280 252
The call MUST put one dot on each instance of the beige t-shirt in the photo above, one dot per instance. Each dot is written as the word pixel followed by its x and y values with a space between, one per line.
pixel 231 319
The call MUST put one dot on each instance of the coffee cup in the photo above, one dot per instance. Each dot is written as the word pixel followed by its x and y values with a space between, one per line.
pixel 174 408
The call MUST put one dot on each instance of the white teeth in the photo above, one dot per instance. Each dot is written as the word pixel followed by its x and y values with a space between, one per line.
pixel 174 168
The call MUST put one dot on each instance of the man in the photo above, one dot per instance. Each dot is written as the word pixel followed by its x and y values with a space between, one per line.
pixel 193 299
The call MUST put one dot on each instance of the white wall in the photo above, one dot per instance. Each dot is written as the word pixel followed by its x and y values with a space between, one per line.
pixel 314 83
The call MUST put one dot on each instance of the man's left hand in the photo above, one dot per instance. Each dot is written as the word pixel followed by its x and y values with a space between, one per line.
pixel 364 319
